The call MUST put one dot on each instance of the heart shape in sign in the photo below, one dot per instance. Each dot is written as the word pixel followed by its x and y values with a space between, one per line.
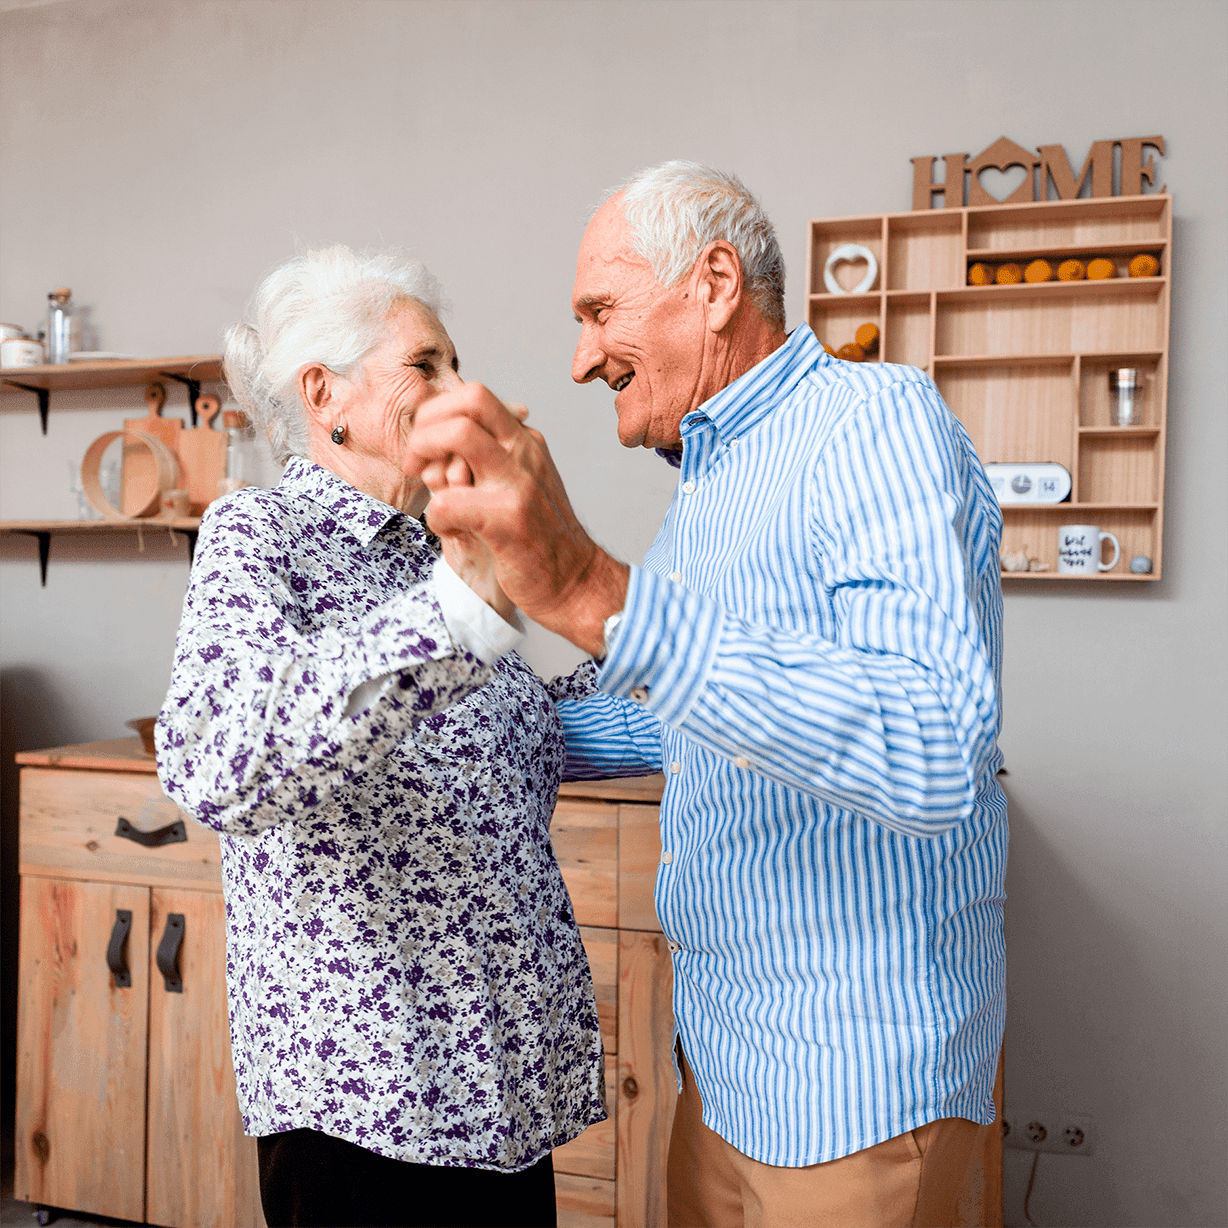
pixel 851 253
pixel 1001 184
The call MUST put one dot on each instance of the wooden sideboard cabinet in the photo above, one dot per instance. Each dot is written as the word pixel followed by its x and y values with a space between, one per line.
pixel 126 1101
pixel 607 839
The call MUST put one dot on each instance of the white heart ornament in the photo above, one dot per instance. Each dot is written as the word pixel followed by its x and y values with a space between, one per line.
pixel 850 252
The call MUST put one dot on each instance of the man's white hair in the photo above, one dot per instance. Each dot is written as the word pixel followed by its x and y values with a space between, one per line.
pixel 329 306
pixel 676 209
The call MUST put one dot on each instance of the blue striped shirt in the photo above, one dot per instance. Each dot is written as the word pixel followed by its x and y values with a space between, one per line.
pixel 811 652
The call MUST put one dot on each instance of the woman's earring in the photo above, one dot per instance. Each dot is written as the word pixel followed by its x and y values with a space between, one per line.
pixel 338 435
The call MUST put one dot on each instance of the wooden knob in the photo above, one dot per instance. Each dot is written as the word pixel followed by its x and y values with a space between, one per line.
pixel 155 398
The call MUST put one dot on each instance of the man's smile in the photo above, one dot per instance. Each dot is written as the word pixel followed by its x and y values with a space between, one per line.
pixel 622 381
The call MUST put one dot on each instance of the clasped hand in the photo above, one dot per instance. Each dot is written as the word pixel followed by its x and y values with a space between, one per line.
pixel 497 501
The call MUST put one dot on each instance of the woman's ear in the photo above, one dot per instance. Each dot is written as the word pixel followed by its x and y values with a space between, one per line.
pixel 315 390
pixel 720 283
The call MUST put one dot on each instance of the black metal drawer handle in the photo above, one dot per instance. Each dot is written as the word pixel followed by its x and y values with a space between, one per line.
pixel 117 954
pixel 168 953
pixel 172 833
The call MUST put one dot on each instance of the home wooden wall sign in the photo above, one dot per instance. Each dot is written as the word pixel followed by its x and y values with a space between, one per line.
pixel 1044 165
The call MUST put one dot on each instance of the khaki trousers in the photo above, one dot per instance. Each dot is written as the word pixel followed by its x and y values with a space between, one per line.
pixel 916 1180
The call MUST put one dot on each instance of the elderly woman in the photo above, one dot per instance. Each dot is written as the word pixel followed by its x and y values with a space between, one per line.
pixel 411 1010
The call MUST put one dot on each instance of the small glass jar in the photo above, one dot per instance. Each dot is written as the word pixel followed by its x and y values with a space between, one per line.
pixel 1127 396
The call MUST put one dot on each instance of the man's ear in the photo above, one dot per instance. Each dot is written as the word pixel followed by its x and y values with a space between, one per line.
pixel 720 283
pixel 315 390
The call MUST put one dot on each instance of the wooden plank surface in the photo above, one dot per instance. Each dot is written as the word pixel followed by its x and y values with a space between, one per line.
pixel 625 788
pixel 114 754
pixel 114 372
pixel 601 947
pixel 647 1087
pixel 201 1170
pixel 584 1202
pixel 639 854
pixel 585 838
pixel 67 827
pixel 81 1050
pixel 594 1153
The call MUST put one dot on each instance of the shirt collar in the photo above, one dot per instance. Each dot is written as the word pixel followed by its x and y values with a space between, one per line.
pixel 742 405
pixel 360 515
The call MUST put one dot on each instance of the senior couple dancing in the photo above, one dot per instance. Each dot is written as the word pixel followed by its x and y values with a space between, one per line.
pixel 810 652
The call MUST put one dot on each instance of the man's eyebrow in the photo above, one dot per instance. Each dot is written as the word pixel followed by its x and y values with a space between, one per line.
pixel 587 303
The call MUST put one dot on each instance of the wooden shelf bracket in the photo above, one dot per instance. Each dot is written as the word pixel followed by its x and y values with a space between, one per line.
pixel 193 387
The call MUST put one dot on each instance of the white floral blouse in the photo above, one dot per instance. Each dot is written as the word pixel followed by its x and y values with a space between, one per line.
pixel 403 967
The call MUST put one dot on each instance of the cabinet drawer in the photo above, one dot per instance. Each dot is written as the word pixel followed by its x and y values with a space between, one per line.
pixel 68 822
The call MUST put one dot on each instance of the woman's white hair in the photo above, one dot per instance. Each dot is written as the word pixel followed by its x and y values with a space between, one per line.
pixel 329 306
pixel 676 209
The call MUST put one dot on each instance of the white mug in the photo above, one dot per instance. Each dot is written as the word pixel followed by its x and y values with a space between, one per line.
pixel 1079 552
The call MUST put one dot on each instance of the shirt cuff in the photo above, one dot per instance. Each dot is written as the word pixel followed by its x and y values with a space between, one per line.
pixel 664 648
pixel 471 623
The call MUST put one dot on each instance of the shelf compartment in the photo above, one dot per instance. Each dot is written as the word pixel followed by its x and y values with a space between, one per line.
pixel 1095 399
pixel 925 251
pixel 1014 411
pixel 1033 529
pixel 1040 323
pixel 1121 468
pixel 1070 225
pixel 836 318
pixel 906 335
pixel 826 236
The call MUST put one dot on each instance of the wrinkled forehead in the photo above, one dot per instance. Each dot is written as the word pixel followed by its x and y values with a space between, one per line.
pixel 607 253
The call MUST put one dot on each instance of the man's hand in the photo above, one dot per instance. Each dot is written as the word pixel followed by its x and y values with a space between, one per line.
pixel 493 477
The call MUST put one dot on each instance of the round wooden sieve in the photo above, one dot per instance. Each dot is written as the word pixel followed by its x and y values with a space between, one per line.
pixel 165 477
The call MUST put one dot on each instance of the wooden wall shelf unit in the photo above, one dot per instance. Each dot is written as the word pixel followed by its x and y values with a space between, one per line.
pixel 44 530
pixel 191 370
pixel 1025 367
pixel 126 1102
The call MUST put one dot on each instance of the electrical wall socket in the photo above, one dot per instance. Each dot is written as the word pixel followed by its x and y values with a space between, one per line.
pixel 1067 1134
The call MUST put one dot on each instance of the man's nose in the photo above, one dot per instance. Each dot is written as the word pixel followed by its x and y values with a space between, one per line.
pixel 590 357
pixel 450 381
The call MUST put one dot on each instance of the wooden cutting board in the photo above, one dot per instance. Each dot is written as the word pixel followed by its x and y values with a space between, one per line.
pixel 202 456
pixel 139 465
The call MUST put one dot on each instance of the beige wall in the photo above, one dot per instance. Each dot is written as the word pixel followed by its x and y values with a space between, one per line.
pixel 159 154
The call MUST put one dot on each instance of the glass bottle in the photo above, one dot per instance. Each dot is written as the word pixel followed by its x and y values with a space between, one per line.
pixel 241 458
pixel 59 325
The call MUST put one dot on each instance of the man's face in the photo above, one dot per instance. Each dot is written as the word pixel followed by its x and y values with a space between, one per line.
pixel 644 339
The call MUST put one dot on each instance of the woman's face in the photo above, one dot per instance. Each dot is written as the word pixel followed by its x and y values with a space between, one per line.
pixel 415 362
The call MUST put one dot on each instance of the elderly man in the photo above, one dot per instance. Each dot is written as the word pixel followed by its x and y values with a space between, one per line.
pixel 811 653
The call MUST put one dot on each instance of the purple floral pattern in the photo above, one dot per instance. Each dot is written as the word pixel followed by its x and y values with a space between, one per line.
pixel 403 967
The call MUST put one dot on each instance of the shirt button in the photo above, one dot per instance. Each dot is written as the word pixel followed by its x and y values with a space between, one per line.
pixel 676 576
pixel 688 488
pixel 639 694
pixel 667 857
pixel 741 761
pixel 674 947
pixel 733 443
pixel 675 767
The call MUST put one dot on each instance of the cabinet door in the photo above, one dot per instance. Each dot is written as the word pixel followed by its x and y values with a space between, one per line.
pixel 81 1049
pixel 647 1087
pixel 201 1170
